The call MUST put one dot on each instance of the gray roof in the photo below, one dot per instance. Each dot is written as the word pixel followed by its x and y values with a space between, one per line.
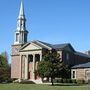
pixel 47 44
pixel 63 47
pixel 57 46
pixel 82 54
pixel 52 46
pixel 85 65
pixel 60 46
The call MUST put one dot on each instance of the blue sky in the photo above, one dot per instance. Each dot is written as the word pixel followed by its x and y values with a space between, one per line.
pixel 52 21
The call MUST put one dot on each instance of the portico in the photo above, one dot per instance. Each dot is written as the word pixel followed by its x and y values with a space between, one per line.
pixel 29 61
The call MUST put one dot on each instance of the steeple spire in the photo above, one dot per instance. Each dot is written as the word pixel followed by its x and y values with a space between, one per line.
pixel 21 32
pixel 21 13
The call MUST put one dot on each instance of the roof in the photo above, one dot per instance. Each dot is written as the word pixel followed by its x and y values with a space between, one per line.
pixel 85 65
pixel 63 46
pixel 49 46
pixel 82 54
pixel 43 44
pixel 57 46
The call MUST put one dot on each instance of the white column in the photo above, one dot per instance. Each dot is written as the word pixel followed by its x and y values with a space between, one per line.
pixel 20 71
pixel 33 66
pixel 26 67
pixel 40 57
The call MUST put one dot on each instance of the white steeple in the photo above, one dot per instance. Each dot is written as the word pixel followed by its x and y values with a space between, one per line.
pixel 21 13
pixel 21 32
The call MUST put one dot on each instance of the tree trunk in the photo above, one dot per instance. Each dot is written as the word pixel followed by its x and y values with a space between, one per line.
pixel 52 81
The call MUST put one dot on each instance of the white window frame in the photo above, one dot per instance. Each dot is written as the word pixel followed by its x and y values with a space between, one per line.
pixel 74 74
pixel 87 72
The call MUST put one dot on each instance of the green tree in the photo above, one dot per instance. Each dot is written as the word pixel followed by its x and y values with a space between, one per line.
pixel 4 67
pixel 51 66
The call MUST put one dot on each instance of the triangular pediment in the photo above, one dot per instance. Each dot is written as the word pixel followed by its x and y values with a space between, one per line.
pixel 30 46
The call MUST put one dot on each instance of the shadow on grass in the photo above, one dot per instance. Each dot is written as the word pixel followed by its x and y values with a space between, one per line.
pixel 67 84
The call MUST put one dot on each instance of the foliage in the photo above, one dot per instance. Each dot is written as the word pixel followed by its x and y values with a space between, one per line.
pixel 80 81
pixel 52 66
pixel 44 68
pixel 62 80
pixel 74 81
pixel 4 68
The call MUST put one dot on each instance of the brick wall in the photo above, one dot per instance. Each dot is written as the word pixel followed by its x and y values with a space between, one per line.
pixel 15 66
pixel 80 74
pixel 15 61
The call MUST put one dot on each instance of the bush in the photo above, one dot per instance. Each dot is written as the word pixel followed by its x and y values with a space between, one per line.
pixel 57 80
pixel 60 80
pixel 73 81
pixel 80 81
pixel 64 80
pixel 69 81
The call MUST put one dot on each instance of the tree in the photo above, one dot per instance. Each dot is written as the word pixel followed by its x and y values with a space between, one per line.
pixel 4 67
pixel 51 66
pixel 5 55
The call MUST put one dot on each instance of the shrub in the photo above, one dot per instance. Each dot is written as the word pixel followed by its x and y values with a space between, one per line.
pixel 69 81
pixel 64 80
pixel 60 80
pixel 73 81
pixel 80 81
pixel 57 80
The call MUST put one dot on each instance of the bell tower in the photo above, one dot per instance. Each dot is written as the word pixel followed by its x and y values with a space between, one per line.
pixel 20 39
pixel 21 32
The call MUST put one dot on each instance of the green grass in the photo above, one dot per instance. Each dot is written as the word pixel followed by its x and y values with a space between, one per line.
pixel 41 87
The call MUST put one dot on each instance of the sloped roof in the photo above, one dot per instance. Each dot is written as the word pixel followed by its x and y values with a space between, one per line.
pixel 82 54
pixel 63 46
pixel 47 44
pixel 43 44
pixel 85 65
pixel 58 46
pixel 55 46
pixel 50 46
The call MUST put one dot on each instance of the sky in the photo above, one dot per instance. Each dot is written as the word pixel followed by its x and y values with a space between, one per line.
pixel 52 21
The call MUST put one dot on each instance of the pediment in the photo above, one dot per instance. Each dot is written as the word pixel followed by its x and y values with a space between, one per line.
pixel 31 46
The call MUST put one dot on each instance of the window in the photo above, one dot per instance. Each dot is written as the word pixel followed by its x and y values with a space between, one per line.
pixel 17 37
pixel 25 37
pixel 73 74
pixel 37 57
pixel 88 74
pixel 30 58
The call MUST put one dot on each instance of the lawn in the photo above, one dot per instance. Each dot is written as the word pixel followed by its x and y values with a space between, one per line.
pixel 41 87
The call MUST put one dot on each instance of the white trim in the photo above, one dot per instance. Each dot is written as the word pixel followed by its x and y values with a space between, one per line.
pixel 44 45
pixel 72 74
pixel 33 66
pixel 36 45
pixel 26 67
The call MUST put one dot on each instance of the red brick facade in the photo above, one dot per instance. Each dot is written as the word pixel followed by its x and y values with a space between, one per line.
pixel 15 63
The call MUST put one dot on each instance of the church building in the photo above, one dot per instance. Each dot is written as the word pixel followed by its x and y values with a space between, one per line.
pixel 26 55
